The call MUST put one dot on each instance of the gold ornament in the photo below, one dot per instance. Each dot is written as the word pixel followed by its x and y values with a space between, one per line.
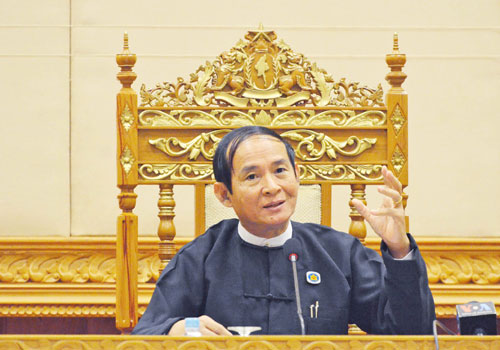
pixel 309 140
pixel 173 147
pixel 182 172
pixel 340 173
pixel 397 119
pixel 127 118
pixel 273 117
pixel 127 160
pixel 398 160
pixel 455 269
pixel 77 268
pixel 261 70
pixel 346 342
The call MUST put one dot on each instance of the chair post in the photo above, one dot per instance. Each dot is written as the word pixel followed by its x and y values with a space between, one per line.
pixel 166 228
pixel 126 233
pixel 357 228
pixel 397 118
pixel 199 210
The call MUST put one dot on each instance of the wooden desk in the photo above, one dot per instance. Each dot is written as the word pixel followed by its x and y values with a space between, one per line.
pixel 91 342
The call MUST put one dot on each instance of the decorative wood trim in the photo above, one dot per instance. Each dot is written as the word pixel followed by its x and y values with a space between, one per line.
pixel 74 277
pixel 363 342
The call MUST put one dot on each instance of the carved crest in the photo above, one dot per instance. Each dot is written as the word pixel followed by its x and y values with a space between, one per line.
pixel 261 71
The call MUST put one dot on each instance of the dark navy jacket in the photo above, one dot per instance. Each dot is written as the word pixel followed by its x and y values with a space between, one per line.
pixel 240 284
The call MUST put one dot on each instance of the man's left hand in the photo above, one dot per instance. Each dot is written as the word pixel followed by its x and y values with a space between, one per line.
pixel 388 221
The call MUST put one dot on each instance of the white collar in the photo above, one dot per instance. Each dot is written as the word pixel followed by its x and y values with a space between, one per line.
pixel 277 241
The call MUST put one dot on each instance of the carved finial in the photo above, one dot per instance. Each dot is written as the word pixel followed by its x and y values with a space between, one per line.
pixel 395 46
pixel 261 27
pixel 126 61
pixel 125 41
pixel 396 62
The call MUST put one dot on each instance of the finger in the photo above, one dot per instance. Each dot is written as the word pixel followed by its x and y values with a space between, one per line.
pixel 393 212
pixel 389 192
pixel 361 208
pixel 207 332
pixel 212 326
pixel 391 180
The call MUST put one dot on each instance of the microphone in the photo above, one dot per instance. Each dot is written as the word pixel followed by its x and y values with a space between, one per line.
pixel 291 249
pixel 477 318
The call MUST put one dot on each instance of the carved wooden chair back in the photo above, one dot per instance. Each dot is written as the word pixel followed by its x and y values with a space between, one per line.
pixel 342 133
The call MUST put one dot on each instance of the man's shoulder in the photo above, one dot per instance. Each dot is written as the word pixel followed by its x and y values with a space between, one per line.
pixel 218 232
pixel 195 252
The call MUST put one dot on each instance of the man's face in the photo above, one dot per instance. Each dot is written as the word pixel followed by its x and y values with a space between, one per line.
pixel 264 186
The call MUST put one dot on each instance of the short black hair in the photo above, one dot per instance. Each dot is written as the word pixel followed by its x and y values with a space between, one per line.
pixel 224 154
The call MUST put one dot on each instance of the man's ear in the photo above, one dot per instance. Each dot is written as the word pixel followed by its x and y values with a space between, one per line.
pixel 222 194
pixel 297 172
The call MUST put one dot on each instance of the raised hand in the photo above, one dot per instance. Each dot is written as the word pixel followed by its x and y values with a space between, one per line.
pixel 388 221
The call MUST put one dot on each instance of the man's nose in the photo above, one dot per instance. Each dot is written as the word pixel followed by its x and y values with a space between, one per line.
pixel 270 185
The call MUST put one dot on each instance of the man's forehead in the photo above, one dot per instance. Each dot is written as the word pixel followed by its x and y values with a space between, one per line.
pixel 280 154
pixel 243 146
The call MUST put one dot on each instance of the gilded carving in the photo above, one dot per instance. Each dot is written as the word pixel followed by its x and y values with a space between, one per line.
pixel 67 310
pixel 315 144
pixel 397 119
pixel 334 118
pixel 309 141
pixel 127 118
pixel 323 345
pixel 69 268
pixel 300 118
pixel 127 160
pixel 263 118
pixel 261 71
pixel 398 160
pixel 443 268
pixel 186 172
pixel 175 148
pixel 455 269
pixel 352 342
pixel 341 172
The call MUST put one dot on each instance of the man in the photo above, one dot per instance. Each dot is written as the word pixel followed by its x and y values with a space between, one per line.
pixel 236 274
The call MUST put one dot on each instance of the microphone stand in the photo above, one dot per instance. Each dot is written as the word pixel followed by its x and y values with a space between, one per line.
pixel 293 258
pixel 436 323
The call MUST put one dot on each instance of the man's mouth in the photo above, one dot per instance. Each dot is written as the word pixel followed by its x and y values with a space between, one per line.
pixel 273 204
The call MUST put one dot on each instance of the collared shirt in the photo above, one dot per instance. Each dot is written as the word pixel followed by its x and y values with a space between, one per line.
pixel 277 241
pixel 281 239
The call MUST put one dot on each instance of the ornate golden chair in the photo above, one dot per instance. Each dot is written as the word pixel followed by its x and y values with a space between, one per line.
pixel 342 132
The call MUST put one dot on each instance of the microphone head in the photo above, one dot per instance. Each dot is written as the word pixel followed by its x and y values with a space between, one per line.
pixel 477 318
pixel 292 249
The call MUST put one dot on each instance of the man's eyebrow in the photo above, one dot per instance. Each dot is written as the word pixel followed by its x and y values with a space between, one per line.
pixel 247 169
pixel 250 168
pixel 280 162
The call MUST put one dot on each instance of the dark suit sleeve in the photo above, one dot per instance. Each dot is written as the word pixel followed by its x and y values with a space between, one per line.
pixel 178 294
pixel 390 296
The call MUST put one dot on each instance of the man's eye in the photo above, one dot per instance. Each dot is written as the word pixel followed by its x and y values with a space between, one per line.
pixel 280 170
pixel 251 177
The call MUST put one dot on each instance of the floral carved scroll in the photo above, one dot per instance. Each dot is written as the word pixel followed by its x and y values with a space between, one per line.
pixel 205 144
pixel 463 268
pixel 273 117
pixel 312 145
pixel 69 268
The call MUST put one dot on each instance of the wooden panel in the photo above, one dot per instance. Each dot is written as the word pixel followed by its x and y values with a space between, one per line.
pixel 254 342
pixel 459 269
